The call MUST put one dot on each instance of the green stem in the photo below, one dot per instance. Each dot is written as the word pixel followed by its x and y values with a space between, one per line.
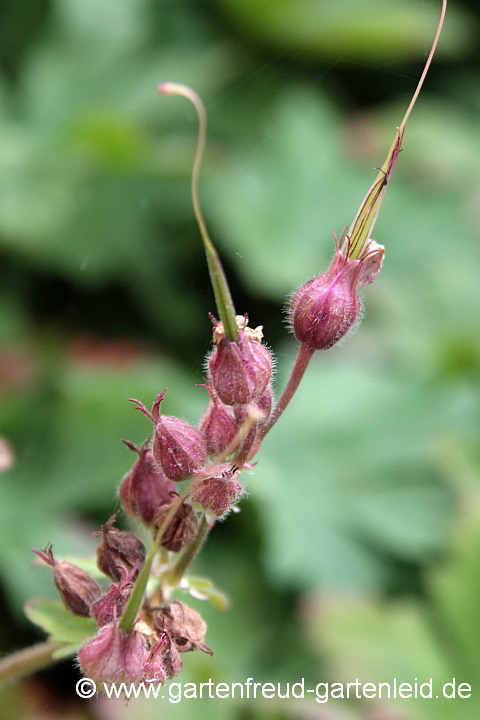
pixel 173 576
pixel 29 660
pixel 136 598
pixel 425 69
pixel 362 226
pixel 223 298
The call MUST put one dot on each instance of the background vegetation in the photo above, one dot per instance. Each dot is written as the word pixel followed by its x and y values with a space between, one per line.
pixel 357 552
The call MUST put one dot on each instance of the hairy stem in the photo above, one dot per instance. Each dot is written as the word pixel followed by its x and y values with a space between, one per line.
pixel 304 356
pixel 29 660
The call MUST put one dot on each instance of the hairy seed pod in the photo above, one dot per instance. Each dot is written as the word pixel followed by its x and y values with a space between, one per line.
pixel 146 487
pixel 141 655
pixel 181 529
pixel 326 307
pixel 217 490
pixel 218 425
pixel 240 370
pixel 119 550
pixel 78 590
pixel 178 447
pixel 113 602
pixel 185 626
pixel 102 659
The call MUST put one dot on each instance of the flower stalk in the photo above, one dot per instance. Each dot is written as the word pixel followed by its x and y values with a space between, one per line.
pixel 138 637
pixel 304 355
pixel 25 662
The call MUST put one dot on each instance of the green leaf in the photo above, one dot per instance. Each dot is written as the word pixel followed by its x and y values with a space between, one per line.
pixel 221 291
pixel 60 624
pixel 204 589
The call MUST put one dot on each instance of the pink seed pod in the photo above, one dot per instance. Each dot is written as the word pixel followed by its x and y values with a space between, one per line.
pixel 179 448
pixel 218 425
pixel 184 625
pixel 326 307
pixel 181 529
pixel 119 551
pixel 145 488
pixel 142 655
pixel 216 489
pixel 241 370
pixel 113 656
pixel 164 661
pixel 102 659
pixel 113 602
pixel 78 590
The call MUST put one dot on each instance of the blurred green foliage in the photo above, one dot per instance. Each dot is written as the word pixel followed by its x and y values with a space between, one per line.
pixel 362 490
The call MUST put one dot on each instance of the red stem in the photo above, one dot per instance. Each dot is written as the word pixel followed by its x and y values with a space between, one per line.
pixel 304 356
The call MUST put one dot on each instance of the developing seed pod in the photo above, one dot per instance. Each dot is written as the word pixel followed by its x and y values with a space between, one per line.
pixel 163 662
pixel 119 548
pixel 179 448
pixel 113 602
pixel 239 370
pixel 182 527
pixel 78 590
pixel 217 490
pixel 326 307
pixel 218 425
pixel 102 659
pixel 141 655
pixel 145 488
pixel 185 626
